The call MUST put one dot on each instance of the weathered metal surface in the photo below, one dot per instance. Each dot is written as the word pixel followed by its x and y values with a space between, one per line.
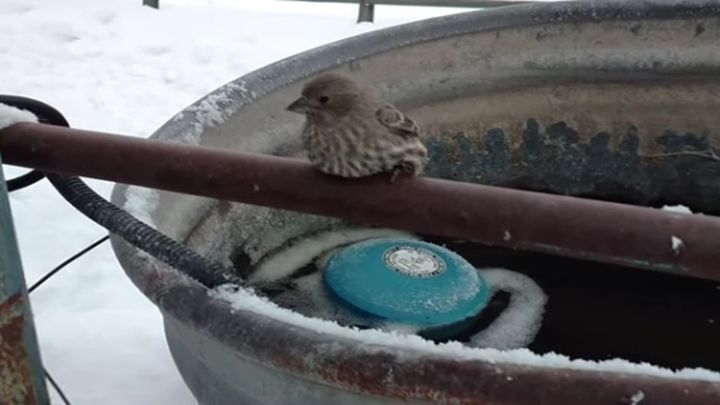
pixel 558 159
pixel 602 67
pixel 541 222
pixel 21 373
pixel 252 363
pixel 366 11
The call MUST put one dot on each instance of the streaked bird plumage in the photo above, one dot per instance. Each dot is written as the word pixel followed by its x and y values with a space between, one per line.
pixel 350 133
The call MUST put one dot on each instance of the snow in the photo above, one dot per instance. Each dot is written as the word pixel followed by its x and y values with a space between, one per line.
pixel 241 299
pixel 637 398
pixel 677 244
pixel 116 66
pixel 300 253
pixel 677 208
pixel 517 326
pixel 140 201
pixel 10 115
pixel 214 110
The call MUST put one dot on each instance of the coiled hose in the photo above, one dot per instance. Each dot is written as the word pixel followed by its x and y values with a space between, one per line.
pixel 116 220
pixel 46 115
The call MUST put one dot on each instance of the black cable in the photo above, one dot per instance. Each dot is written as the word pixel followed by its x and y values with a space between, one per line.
pixel 46 114
pixel 47 277
pixel 25 180
pixel 57 387
pixel 66 262
pixel 118 221
pixel 139 234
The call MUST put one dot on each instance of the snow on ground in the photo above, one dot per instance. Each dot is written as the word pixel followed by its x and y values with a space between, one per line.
pixel 116 66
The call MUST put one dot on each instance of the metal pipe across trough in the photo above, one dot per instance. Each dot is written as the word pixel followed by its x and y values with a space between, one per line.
pixel 582 228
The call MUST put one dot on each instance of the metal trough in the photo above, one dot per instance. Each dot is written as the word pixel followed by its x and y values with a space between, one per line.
pixel 604 99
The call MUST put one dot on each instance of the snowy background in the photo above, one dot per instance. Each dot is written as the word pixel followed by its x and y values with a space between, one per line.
pixel 116 66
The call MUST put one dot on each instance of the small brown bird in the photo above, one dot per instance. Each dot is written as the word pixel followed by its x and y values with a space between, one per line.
pixel 350 133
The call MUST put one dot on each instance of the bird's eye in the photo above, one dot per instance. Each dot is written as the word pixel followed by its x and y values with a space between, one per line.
pixel 324 99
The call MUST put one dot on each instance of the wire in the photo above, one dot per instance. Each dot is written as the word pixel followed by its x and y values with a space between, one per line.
pixel 47 277
pixel 46 114
pixel 25 180
pixel 57 387
pixel 66 262
pixel 116 220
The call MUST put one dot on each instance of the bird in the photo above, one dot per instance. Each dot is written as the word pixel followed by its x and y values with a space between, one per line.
pixel 351 133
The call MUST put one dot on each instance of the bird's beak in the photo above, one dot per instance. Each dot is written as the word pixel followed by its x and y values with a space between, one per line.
pixel 299 106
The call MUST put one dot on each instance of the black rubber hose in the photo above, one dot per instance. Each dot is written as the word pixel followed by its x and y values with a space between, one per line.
pixel 25 180
pixel 119 222
pixel 46 115
pixel 139 234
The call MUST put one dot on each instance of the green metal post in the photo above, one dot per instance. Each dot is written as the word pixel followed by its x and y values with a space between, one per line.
pixel 367 11
pixel 21 373
pixel 152 3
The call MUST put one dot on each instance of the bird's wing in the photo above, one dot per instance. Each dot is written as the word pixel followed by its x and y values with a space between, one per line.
pixel 396 122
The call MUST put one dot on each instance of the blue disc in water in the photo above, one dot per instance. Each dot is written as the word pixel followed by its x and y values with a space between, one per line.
pixel 407 281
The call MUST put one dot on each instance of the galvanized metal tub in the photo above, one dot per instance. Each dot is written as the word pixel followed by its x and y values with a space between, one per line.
pixel 601 99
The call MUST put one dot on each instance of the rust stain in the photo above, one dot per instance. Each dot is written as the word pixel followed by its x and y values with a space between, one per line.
pixel 15 377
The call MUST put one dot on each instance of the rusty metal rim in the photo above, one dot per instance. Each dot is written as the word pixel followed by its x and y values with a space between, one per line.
pixel 293 69
pixel 189 302
pixel 313 355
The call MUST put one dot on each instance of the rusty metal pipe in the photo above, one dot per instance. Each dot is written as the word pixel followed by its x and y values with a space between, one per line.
pixel 637 237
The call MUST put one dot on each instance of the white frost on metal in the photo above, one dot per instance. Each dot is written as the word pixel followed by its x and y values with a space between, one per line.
pixel 213 110
pixel 637 398
pixel 413 345
pixel 677 244
pixel 140 202
pixel 517 326
pixel 677 208
pixel 11 115
pixel 302 252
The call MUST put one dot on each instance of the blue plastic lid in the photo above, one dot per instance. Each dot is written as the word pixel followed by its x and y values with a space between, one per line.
pixel 407 281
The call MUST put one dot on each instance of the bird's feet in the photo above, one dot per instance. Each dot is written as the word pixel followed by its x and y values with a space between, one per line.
pixel 403 169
